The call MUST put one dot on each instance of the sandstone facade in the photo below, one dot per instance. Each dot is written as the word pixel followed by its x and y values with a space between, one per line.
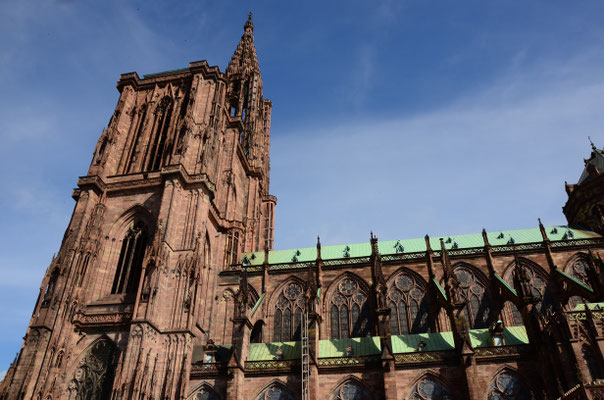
pixel 166 285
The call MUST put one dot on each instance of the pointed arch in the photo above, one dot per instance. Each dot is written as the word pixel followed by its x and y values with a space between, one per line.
pixel 406 296
pixel 508 385
pixel 128 217
pixel 350 388
pixel 257 330
pixel 286 306
pixel 347 304
pixel 276 390
pixel 207 251
pixel 93 377
pixel 429 386
pixel 130 261
pixel 577 267
pixel 474 288
pixel 50 287
pixel 160 135
pixel 203 391
pixel 538 281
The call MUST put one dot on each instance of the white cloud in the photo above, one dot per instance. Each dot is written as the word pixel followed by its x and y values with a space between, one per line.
pixel 496 159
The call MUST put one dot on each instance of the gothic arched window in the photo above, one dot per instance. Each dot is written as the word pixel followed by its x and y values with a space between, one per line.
pixel 135 148
pixel 50 288
pixel 205 393
pixel 507 386
pixel 288 313
pixel 275 392
pixel 351 390
pixel 513 315
pixel 160 135
pixel 578 270
pixel 537 282
pixel 473 289
pixel 408 308
pixel 59 360
pixel 429 388
pixel 94 377
pixel 231 249
pixel 349 310
pixel 128 271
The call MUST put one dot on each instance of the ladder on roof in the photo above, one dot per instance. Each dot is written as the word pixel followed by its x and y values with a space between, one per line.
pixel 305 357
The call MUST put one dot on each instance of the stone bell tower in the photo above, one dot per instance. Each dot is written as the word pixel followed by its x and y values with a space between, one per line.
pixel 585 205
pixel 177 188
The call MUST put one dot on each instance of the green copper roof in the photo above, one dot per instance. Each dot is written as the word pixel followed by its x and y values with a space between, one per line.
pixel 513 335
pixel 365 346
pixel 434 342
pixel 255 308
pixel 497 238
pixel 578 282
pixel 440 288
pixel 591 306
pixel 505 284
pixel 267 351
pixel 172 71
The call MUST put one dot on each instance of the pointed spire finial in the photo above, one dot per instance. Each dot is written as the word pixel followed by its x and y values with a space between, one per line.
pixel 249 25
pixel 593 146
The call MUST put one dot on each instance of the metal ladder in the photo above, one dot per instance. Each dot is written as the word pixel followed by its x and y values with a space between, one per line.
pixel 305 357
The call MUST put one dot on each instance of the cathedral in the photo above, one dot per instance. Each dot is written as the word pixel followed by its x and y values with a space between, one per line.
pixel 166 285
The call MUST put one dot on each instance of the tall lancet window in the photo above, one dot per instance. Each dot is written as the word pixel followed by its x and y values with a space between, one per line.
pixel 128 271
pixel 578 270
pixel 349 310
pixel 408 309
pixel 473 290
pixel 160 134
pixel 288 313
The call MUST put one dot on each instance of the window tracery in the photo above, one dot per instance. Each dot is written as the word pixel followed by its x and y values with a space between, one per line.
pixel 351 390
pixel 288 313
pixel 537 281
pixel 159 138
pixel 429 388
pixel 128 271
pixel 275 392
pixel 473 290
pixel 94 377
pixel 408 308
pixel 578 270
pixel 507 386
pixel 514 317
pixel 349 310
pixel 205 393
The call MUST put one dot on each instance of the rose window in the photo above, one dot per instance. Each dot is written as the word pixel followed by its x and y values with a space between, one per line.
pixel 430 389
pixel 508 387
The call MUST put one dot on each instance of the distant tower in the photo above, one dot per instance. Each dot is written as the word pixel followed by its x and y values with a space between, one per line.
pixel 585 205
pixel 177 188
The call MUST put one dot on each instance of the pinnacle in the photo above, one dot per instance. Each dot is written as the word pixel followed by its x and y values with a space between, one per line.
pixel 249 24
pixel 244 58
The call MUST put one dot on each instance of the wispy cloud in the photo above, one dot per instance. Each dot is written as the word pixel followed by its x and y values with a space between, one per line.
pixel 496 158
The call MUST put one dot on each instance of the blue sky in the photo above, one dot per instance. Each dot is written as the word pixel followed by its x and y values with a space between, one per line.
pixel 402 117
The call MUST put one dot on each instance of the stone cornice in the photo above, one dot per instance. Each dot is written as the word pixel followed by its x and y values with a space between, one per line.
pixel 148 81
pixel 146 180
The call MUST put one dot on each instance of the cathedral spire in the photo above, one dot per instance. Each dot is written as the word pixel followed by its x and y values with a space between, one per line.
pixel 245 60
